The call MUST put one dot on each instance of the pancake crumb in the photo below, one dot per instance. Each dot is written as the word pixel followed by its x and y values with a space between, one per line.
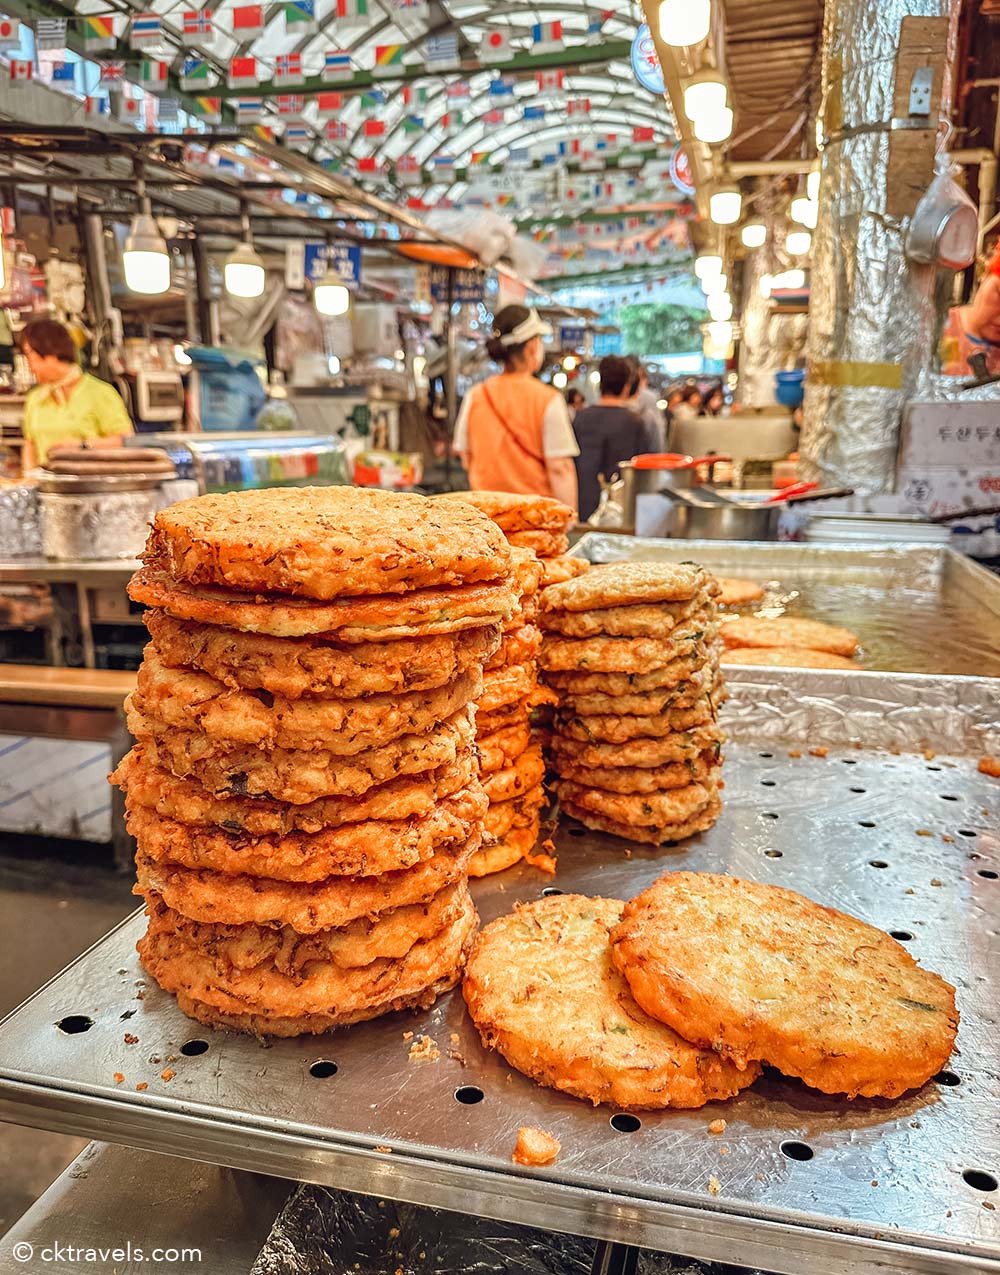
pixel 535 1146
pixel 714 1185
pixel 717 1126
pixel 424 1049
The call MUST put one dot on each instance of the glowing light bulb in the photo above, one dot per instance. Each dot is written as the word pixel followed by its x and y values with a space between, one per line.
pixel 720 307
pixel 754 234
pixel 805 211
pixel 725 205
pixel 798 243
pixel 685 22
pixel 145 258
pixel 812 184
pixel 707 264
pixel 244 274
pixel 712 287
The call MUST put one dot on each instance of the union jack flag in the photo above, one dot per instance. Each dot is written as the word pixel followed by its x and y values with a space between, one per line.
pixel 112 72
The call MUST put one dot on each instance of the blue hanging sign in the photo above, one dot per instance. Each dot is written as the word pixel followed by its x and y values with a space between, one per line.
pixel 468 285
pixel 572 337
pixel 680 171
pixel 645 63
pixel 345 260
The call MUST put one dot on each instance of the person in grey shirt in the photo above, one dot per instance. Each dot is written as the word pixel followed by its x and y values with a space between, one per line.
pixel 645 404
pixel 607 433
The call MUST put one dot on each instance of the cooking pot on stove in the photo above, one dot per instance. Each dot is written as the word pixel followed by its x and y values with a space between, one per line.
pixel 655 472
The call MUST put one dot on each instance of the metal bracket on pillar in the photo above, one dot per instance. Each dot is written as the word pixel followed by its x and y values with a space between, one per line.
pixel 451 374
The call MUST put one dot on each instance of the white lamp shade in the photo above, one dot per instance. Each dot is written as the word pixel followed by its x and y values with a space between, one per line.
pixel 791 280
pixel 145 258
pixel 805 211
pixel 244 274
pixel 685 22
pixel 705 96
pixel 720 332
pixel 798 243
pixel 560 380
pixel 331 297
pixel 708 264
pixel 725 205
pixel 711 129
pixel 720 307
pixel 754 234
pixel 715 284
pixel 765 285
pixel 812 184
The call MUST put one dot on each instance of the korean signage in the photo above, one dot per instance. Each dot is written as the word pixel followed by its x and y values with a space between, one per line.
pixel 468 285
pixel 645 63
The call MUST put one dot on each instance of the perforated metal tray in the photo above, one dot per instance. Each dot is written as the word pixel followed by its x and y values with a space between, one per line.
pixel 805 1182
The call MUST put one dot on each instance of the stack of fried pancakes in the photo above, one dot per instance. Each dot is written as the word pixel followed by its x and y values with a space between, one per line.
pixel 304 790
pixel 631 650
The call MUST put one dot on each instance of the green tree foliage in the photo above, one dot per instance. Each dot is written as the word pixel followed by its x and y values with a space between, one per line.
pixel 660 328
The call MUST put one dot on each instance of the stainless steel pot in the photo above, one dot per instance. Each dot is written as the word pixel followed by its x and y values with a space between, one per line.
pixel 705 515
pixel 652 474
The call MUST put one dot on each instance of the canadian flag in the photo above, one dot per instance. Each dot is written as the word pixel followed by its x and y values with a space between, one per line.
pixel 550 81
pixel 21 71
pixel 495 46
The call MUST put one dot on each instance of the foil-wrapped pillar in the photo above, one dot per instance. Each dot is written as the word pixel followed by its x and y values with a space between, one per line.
pixel 872 313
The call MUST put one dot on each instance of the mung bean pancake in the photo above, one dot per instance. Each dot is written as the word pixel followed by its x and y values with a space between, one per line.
pixel 612 728
pixel 645 754
pixel 547 544
pixel 639 810
pixel 525 773
pixel 788 631
pixel 559 570
pixel 700 822
pixel 640 619
pixel 514 512
pixel 635 779
pixel 688 670
pixel 624 654
pixel 510 849
pixel 626 583
pixel 738 593
pixel 786 657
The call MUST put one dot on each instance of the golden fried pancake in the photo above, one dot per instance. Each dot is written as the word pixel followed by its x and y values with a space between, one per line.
pixel 542 990
pixel 248 947
pixel 422 613
pixel 501 748
pixel 294 775
pixel 518 647
pixel 639 833
pixel 761 972
pixel 618 584
pixel 626 655
pixel 646 754
pixel 189 701
pixel 613 729
pixel 513 512
pixel 152 788
pixel 633 779
pixel 354 849
pixel 646 703
pixel 518 812
pixel 786 657
pixel 507 686
pixel 509 850
pixel 326 542
pixel 222 899
pixel 559 570
pixel 641 619
pixel 526 772
pixel 738 593
pixel 667 675
pixel 324 988
pixel 296 667
pixel 643 810
pixel 547 544
pixel 788 631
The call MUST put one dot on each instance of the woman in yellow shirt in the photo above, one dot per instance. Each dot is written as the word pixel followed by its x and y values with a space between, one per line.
pixel 67 405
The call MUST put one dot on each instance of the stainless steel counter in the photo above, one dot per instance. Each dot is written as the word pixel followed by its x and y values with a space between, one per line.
pixel 92 575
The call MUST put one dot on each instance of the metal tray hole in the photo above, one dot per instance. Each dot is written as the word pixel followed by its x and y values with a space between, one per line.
pixel 901 936
pixel 967 832
pixel 859 790
pixel 988 873
pixel 797 1150
pixel 769 814
pixel 947 796
pixel 625 1123
pixel 192 1048
pixel 323 1069
pixel 549 891
pixel 469 1095
pixel 849 761
pixel 866 823
pixel 979 1180
pixel 933 767
pixel 773 854
pixel 765 755
pixel 74 1024
pixel 768 783
pixel 877 863
pixel 948 1078
pixel 578 832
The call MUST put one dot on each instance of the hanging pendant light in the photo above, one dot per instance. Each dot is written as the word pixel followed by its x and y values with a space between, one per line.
pixel 709 263
pixel 812 185
pixel 725 205
pixel 798 243
pixel 244 274
pixel 754 234
pixel 715 128
pixel 805 211
pixel 720 307
pixel 705 96
pixel 715 284
pixel 685 22
pixel 145 258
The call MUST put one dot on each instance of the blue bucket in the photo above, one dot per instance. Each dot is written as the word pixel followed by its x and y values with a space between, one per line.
pixel 789 388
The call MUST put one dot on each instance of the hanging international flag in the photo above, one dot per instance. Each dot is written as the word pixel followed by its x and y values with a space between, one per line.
pixel 195 74
pixel 350 10
pixel 64 74
pixel 408 171
pixel 534 113
pixel 596 24
pixel 441 51
pixel 458 91
pixel 50 34
pixel 497 116
pixel 413 95
pixel 288 68
pixel 370 166
pixel 413 8
pixel 550 81
pixel 609 144
pixel 502 87
pixel 300 17
pixel 337 131
pixel 207 109
pixel 479 159
pixel 96 106
pixel 495 45
pixel 298 136
pixel 98 33
pixel 590 161
pixel 248 21
pixel 290 105
pixel 146 28
pixel 328 104
pixel 169 110
pixel 154 75
pixel 10 34
pixel 196 24
pixel 249 109
pixel 372 102
pixel 413 124
pixel 388 59
pixel 112 72
pixel 519 157
pixel 21 71
pixel 453 122
pixel 242 73
pixel 337 66
pixel 571 147
pixel 128 110
pixel 579 106
pixel 546 36
pixel 644 134
pixel 374 128
pixel 443 167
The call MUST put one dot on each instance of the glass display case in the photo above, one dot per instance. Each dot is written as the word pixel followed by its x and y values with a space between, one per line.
pixel 246 461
